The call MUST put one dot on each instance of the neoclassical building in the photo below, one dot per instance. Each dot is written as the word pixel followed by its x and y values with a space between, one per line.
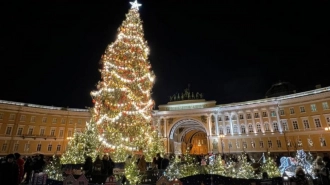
pixel 279 124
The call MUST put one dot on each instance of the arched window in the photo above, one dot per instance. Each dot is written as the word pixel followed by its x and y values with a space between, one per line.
pixel 267 127
pixel 220 130
pixel 243 129
pixel 258 127
pixel 235 129
pixel 228 130
pixel 250 128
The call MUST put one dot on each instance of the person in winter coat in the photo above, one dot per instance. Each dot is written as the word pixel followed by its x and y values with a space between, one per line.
pixel 98 168
pixel 20 163
pixel 142 164
pixel 9 171
pixel 88 167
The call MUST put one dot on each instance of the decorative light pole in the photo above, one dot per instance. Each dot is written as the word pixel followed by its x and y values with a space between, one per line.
pixel 221 140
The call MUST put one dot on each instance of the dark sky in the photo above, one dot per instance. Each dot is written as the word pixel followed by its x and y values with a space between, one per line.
pixel 230 50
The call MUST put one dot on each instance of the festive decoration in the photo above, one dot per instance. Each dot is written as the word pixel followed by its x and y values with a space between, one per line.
pixel 74 154
pixel 155 145
pixel 189 166
pixel 218 167
pixel 245 170
pixel 54 169
pixel 173 171
pixel 82 144
pixel 269 167
pixel 123 104
pixel 132 172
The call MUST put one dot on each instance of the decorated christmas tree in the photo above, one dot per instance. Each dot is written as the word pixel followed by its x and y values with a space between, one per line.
pixel 74 153
pixel 218 167
pixel 190 166
pixel 270 167
pixel 155 145
pixel 123 104
pixel 91 141
pixel 173 170
pixel 245 170
pixel 54 169
pixel 132 172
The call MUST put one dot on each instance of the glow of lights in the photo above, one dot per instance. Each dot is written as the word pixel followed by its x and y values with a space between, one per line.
pixel 135 5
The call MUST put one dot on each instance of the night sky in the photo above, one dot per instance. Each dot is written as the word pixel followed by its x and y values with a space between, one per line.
pixel 229 50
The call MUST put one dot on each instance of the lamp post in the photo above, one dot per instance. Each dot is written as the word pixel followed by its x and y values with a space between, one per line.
pixel 199 146
pixel 327 129
pixel 221 138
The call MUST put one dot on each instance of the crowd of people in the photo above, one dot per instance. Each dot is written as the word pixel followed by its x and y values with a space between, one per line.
pixel 16 169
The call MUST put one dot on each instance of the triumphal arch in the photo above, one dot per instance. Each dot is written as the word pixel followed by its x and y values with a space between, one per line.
pixel 185 122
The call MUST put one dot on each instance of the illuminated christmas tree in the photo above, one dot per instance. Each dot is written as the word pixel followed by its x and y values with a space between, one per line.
pixel 270 167
pixel 74 153
pixel 132 172
pixel 218 167
pixel 190 166
pixel 54 169
pixel 172 171
pixel 245 170
pixel 81 145
pixel 123 103
pixel 155 145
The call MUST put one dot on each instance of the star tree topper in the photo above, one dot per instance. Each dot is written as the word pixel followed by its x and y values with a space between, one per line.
pixel 135 4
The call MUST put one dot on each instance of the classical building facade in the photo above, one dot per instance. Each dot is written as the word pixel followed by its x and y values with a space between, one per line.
pixel 29 129
pixel 280 124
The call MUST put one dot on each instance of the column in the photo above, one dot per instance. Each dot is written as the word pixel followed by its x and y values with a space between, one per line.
pixel 216 124
pixel 262 121
pixel 279 125
pixel 209 122
pixel 231 125
pixel 165 128
pixel 270 124
pixel 245 123
pixel 238 124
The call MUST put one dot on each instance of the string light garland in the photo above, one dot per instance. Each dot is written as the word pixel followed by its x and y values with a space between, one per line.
pixel 122 101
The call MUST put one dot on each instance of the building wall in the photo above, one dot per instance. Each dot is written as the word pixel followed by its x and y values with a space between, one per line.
pixel 30 129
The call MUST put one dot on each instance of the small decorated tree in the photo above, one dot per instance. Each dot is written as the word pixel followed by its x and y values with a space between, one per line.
pixel 172 171
pixel 132 172
pixel 54 169
pixel 245 170
pixel 218 167
pixel 270 167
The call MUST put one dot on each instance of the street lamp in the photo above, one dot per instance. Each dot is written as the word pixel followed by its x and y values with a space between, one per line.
pixel 199 146
pixel 221 138
pixel 327 129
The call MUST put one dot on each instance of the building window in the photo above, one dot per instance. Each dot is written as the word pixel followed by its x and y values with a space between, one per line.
pixel 42 131
pixel 79 121
pixel 54 120
pixel 258 128
pixel 33 119
pixel 270 144
pixel 291 110
pixel 69 133
pixel 317 122
pixel 273 114
pixel 16 147
pixel 325 105
pixel 39 147
pixel 61 133
pixel 226 118
pixel 220 130
pixel 58 148
pixel 19 131
pixel 4 147
pixel 285 125
pixel 230 145
pixel 253 144
pixel 281 112
pixel 62 121
pixel 241 116
pixel 244 144
pixel 52 132
pixel 8 130
pixel 302 109
pixel 267 127
pixel 44 119
pixel 306 124
pixel 295 125
pixel 275 126
pixel 30 131
pixel 243 129
pixel 279 144
pixel 228 130
pixel 313 108
pixel 27 147
pixel 12 117
pixel 323 142
pixel 50 146
pixel 1 116
pixel 328 120
pixel 22 119
pixel 261 144
pixel 264 114
pixel 70 121
pixel 237 144
pixel 256 115
pixel 235 129
pixel 248 116
pixel 250 128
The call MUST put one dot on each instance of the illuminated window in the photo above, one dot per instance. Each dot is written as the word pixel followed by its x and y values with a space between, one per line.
pixel 313 108
pixel 291 110
pixel 325 105
pixel 243 129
